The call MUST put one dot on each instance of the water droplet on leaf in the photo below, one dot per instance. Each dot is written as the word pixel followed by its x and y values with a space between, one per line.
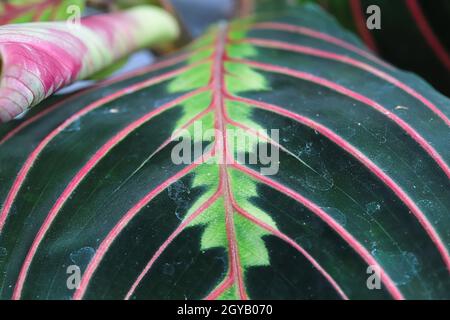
pixel 373 207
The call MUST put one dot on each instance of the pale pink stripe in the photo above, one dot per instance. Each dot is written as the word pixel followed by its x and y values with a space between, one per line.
pixel 169 240
pixel 134 73
pixel 322 36
pixel 360 249
pixel 36 152
pixel 218 83
pixel 294 244
pixel 356 96
pixel 75 182
pixel 353 62
pixel 106 243
pixel 226 284
pixel 36 117
pixel 377 171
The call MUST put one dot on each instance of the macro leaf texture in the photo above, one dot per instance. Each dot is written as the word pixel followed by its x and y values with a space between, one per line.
pixel 40 58
pixel 19 11
pixel 362 178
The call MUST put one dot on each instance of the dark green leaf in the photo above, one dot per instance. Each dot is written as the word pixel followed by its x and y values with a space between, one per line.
pixel 362 177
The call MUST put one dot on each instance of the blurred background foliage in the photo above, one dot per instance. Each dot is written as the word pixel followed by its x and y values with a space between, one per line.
pixel 414 34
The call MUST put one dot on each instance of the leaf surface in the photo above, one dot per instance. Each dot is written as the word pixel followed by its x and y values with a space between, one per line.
pixel 362 177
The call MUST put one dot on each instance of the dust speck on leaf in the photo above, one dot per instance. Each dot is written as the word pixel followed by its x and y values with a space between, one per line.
pixel 114 110
pixel 320 180
pixel 404 265
pixel 82 256
pixel 373 207
pixel 179 193
pixel 74 127
pixel 426 204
